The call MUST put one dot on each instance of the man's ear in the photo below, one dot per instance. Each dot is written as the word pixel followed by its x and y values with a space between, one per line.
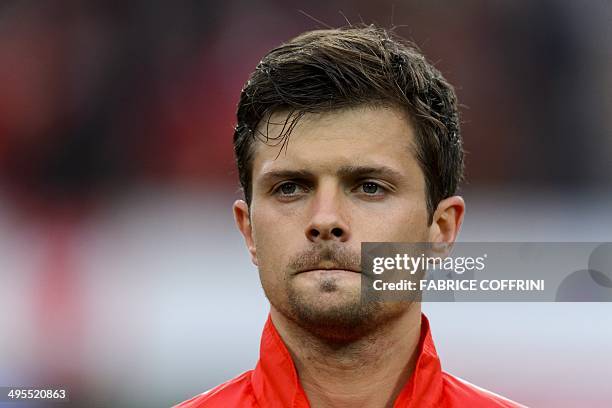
pixel 447 220
pixel 243 222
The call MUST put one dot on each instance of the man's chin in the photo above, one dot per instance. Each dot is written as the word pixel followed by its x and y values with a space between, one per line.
pixel 327 295
pixel 333 315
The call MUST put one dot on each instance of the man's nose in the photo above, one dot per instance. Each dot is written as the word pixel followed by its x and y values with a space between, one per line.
pixel 327 220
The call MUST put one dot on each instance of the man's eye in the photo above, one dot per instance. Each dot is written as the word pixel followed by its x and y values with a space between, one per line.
pixel 287 189
pixel 371 188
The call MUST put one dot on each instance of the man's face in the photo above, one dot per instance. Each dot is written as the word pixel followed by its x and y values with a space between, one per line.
pixel 345 177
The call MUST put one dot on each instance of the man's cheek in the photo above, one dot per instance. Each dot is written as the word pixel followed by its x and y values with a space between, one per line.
pixel 271 260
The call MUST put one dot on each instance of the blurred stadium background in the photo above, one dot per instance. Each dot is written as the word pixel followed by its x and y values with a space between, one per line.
pixel 122 276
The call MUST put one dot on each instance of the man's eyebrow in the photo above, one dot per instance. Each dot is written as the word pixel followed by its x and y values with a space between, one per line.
pixel 273 175
pixel 369 171
pixel 343 172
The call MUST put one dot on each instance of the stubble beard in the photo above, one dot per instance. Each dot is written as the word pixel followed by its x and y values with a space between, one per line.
pixel 346 317
pixel 341 322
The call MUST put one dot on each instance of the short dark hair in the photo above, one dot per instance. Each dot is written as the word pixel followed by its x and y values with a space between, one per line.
pixel 327 70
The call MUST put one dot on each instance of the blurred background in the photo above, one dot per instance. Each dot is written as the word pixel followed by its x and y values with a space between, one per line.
pixel 122 276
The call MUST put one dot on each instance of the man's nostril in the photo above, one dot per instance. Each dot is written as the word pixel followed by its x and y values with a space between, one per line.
pixel 337 232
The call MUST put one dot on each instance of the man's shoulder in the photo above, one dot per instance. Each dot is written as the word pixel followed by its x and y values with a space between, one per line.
pixel 238 392
pixel 459 392
pixel 233 393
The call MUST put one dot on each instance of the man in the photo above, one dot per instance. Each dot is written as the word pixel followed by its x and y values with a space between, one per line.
pixel 344 136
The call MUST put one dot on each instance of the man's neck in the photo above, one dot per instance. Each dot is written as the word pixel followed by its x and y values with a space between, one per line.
pixel 369 372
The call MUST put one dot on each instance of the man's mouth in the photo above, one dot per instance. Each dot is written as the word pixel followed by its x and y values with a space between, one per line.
pixel 328 270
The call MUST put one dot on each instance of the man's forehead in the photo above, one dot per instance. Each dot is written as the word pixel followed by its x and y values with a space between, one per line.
pixel 366 136
pixel 281 121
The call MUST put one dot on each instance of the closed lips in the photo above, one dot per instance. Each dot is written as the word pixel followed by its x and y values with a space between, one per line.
pixel 329 269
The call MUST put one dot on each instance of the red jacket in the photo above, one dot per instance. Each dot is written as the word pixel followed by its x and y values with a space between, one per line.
pixel 274 382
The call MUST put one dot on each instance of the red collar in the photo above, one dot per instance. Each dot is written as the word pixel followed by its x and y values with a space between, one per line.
pixel 275 380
